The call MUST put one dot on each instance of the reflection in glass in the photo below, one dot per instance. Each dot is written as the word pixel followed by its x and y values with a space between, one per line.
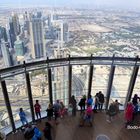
pixel 39 86
pixel 100 79
pixel 4 118
pixel 60 84
pixel 80 77
pixel 120 83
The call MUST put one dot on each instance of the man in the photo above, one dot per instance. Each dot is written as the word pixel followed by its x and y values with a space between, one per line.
pixel 37 107
pixel 101 100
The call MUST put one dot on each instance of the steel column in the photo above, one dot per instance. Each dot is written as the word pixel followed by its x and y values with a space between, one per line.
pixel 28 84
pixel 70 81
pixel 50 85
pixel 90 80
pixel 110 82
pixel 8 106
pixel 132 84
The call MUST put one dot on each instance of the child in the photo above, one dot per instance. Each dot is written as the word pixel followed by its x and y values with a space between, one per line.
pixel 22 116
pixel 62 110
pixel 70 110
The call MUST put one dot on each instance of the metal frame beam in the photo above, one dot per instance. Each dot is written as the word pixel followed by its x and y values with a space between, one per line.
pixel 50 85
pixel 70 81
pixel 132 84
pixel 7 103
pixel 110 82
pixel 29 90
pixel 90 80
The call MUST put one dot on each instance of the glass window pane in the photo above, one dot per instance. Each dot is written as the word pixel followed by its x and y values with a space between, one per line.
pixel 39 86
pixel 60 84
pixel 120 83
pixel 100 79
pixel 80 77
pixel 4 118
pixel 16 87
pixel 136 89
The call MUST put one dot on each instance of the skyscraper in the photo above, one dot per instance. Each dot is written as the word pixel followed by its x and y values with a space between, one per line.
pixel 37 37
pixel 26 22
pixel 16 24
pixel 63 33
pixel 14 29
pixel 3 36
pixel 19 48
pixel 6 54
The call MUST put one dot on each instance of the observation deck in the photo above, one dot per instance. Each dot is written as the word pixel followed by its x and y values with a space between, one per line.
pixel 52 79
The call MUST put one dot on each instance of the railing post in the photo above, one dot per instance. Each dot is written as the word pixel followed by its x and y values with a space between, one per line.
pixel 132 83
pixel 50 85
pixel 30 95
pixel 7 103
pixel 110 82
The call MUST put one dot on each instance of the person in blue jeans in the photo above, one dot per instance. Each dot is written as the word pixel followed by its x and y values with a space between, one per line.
pixel 37 134
pixel 22 116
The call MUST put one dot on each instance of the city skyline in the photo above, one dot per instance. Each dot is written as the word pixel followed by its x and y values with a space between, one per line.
pixel 130 4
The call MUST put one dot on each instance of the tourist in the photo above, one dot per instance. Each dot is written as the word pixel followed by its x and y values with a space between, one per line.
pixel 56 108
pixel 111 112
pixel 29 131
pixel 62 110
pixel 47 131
pixel 73 102
pixel 37 107
pixel 22 116
pixel 101 100
pixel 37 134
pixel 49 112
pixel 96 102
pixel 87 116
pixel 90 100
pixel 82 103
pixel 129 112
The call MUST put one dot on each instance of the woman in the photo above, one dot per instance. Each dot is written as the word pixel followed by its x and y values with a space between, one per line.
pixel 129 113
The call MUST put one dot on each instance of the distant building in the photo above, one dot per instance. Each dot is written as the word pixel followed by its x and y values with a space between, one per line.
pixel 6 54
pixel 26 23
pixel 3 34
pixel 14 28
pixel 37 37
pixel 19 48
pixel 63 34
pixel 16 25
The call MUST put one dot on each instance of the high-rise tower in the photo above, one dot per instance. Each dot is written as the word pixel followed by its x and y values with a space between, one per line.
pixel 37 37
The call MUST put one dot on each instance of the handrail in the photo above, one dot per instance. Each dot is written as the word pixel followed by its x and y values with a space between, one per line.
pixel 21 67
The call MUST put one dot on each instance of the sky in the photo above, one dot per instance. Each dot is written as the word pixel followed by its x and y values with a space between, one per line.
pixel 76 3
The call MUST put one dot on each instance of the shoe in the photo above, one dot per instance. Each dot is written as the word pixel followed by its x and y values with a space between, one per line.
pixel 108 121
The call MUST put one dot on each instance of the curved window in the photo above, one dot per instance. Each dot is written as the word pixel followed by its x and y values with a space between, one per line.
pixel 80 77
pixel 100 79
pixel 60 84
pixel 4 118
pixel 18 96
pixel 39 87
pixel 120 83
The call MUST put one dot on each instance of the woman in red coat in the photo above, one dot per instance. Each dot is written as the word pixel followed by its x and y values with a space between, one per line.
pixel 129 113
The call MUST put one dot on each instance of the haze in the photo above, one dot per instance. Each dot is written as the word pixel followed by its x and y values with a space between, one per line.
pixel 75 3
